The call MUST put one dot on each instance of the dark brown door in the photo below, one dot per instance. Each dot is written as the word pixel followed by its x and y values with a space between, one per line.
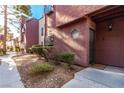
pixel 92 46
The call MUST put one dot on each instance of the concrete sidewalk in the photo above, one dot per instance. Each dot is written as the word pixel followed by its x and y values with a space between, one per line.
pixel 95 78
pixel 9 75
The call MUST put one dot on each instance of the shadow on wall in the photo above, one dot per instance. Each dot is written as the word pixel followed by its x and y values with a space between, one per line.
pixel 73 46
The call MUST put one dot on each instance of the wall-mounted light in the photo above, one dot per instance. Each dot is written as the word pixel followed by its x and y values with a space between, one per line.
pixel 110 26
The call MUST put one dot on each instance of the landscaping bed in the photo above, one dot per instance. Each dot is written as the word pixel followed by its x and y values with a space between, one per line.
pixel 54 79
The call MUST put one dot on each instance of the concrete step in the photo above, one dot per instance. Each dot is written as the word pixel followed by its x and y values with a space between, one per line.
pixel 84 83
pixel 106 78
pixel 114 69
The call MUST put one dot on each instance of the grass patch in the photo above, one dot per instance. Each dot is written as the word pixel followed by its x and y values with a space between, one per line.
pixel 40 68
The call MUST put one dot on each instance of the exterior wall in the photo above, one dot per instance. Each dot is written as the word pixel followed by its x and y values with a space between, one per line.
pixel 41 25
pixel 68 13
pixel 32 29
pixel 51 24
pixel 63 40
pixel 80 46
pixel 109 44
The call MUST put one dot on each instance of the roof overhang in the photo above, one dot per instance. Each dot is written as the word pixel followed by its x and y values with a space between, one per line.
pixel 106 13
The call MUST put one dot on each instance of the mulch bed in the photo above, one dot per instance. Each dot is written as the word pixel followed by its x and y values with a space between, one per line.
pixel 55 79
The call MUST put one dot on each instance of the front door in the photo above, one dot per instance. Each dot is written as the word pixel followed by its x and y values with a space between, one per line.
pixel 92 47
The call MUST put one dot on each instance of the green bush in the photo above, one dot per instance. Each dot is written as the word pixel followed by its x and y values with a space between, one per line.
pixel 11 48
pixel 40 68
pixel 37 50
pixel 43 51
pixel 67 57
pixel 17 49
pixel 36 45
pixel 22 49
pixel 29 50
pixel 2 52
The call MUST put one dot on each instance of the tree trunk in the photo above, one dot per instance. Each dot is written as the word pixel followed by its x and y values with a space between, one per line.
pixel 5 27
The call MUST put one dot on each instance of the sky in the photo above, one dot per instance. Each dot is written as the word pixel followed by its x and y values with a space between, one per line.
pixel 37 11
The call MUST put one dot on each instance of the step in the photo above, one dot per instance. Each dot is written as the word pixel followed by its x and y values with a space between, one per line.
pixel 114 69
pixel 85 83
pixel 107 78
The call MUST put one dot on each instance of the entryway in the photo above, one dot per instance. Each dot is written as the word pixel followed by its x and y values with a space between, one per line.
pixel 109 37
pixel 92 46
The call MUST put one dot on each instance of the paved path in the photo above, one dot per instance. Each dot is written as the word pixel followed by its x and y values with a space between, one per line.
pixel 9 75
pixel 95 78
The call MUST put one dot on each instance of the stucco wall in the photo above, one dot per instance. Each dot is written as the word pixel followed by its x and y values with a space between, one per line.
pixel 67 13
pixel 63 40
pixel 41 25
pixel 51 23
pixel 32 29
pixel 109 44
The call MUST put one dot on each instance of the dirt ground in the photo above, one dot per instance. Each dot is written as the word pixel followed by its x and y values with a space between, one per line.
pixel 55 79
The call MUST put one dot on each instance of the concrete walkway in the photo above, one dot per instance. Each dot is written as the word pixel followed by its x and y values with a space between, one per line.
pixel 9 75
pixel 95 78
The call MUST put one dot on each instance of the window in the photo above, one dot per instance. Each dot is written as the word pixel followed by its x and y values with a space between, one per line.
pixel 75 34
pixel 42 31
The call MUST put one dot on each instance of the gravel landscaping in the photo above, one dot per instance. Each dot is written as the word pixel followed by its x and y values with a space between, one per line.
pixel 54 79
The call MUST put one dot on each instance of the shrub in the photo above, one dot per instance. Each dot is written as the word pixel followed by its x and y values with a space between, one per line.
pixel 22 49
pixel 11 48
pixel 17 49
pixel 2 52
pixel 67 57
pixel 43 51
pixel 29 50
pixel 36 45
pixel 57 59
pixel 40 68
pixel 37 50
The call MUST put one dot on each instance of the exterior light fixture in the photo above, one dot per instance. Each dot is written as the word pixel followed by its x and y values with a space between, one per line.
pixel 75 34
pixel 110 26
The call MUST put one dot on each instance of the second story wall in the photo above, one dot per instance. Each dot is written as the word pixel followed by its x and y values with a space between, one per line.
pixel 51 23
pixel 67 13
